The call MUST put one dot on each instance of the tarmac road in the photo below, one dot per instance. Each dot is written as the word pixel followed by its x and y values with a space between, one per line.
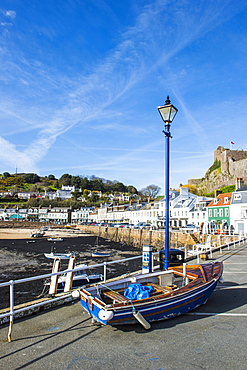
pixel 211 337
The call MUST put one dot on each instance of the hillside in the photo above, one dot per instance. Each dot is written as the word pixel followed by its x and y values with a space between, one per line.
pixel 229 167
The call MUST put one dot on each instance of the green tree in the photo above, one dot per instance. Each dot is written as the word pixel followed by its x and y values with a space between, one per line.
pixel 76 194
pixel 31 178
pixel 6 174
pixel 131 189
pixel 51 177
pixel 65 179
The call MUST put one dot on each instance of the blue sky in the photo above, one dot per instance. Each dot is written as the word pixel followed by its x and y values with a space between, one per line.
pixel 80 82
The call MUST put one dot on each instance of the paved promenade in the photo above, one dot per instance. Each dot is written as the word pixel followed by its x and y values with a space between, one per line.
pixel 212 337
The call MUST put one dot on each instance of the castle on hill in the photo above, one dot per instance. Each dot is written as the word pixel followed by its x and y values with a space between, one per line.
pixel 229 166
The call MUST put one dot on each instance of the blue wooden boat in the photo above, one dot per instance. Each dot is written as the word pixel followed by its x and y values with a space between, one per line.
pixel 100 254
pixel 62 256
pixel 173 292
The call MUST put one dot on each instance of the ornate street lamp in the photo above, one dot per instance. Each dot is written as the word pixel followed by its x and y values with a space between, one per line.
pixel 167 112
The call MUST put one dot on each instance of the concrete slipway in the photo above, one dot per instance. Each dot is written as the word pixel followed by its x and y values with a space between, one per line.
pixel 212 337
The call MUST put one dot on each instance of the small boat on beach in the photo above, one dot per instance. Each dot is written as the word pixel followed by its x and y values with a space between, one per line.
pixel 55 239
pixel 147 297
pixel 100 254
pixel 80 278
pixel 37 234
pixel 62 256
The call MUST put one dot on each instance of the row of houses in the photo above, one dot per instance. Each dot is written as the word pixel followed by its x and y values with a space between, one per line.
pixel 224 211
pixel 65 193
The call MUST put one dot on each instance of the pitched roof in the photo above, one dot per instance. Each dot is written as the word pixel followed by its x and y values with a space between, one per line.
pixel 221 200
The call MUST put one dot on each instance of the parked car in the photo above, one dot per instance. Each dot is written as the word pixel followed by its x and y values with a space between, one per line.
pixel 129 226
pixel 142 225
pixel 190 228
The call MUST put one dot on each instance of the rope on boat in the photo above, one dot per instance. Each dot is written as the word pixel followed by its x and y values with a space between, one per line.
pixel 105 286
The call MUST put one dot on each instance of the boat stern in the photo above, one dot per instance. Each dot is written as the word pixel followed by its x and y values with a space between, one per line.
pixel 95 307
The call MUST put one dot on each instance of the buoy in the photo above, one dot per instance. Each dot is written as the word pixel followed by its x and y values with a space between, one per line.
pixel 75 294
pixel 105 315
pixel 138 316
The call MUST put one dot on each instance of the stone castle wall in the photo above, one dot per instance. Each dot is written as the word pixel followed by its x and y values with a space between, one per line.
pixel 238 169
pixel 233 166
pixel 227 156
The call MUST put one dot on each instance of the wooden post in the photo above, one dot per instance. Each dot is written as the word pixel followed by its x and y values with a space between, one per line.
pixel 116 237
pixel 11 318
pixel 150 237
pixel 129 232
pixel 54 278
pixel 140 239
pixel 69 275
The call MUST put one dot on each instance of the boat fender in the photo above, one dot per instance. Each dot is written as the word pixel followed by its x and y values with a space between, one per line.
pixel 105 315
pixel 75 293
pixel 138 316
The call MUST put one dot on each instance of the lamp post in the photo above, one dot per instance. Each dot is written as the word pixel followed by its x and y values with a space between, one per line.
pixel 167 112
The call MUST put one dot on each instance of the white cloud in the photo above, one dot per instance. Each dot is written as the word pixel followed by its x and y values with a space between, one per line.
pixel 149 44
pixel 10 13
pixel 14 158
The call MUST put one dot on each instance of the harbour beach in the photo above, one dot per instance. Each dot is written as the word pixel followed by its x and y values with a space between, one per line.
pixel 22 256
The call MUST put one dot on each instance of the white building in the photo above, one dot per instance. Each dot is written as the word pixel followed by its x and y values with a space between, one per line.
pixel 238 210
pixel 60 215
pixel 81 215
pixel 198 215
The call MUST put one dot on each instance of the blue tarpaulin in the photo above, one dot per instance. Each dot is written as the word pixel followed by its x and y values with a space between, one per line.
pixel 138 291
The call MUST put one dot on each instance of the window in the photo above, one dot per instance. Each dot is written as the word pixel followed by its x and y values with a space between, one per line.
pixel 215 212
pixel 237 196
pixel 210 212
pixel 203 215
pixel 221 212
pixel 226 212
pixel 226 200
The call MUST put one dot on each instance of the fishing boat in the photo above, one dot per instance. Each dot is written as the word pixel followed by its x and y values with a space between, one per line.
pixel 55 239
pixel 80 278
pixel 100 254
pixel 147 297
pixel 62 256
pixel 37 234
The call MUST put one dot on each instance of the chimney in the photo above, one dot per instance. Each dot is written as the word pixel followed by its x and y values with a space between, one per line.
pixel 239 183
pixel 217 192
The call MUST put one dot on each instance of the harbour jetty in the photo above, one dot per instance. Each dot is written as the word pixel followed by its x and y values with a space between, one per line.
pixel 64 338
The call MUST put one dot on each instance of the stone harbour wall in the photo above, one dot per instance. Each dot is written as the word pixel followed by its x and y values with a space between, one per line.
pixel 138 238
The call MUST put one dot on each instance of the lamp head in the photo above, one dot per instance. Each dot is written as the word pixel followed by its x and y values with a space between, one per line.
pixel 167 111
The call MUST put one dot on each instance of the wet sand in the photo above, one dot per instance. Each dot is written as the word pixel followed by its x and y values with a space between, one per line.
pixel 22 256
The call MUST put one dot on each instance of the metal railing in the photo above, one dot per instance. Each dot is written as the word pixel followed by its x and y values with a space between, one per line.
pixel 211 246
pixel 12 311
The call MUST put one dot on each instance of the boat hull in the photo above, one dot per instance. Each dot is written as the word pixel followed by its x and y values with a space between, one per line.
pixel 165 309
pixel 53 256
pixel 161 307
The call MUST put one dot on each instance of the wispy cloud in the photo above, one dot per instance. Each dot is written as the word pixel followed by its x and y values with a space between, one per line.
pixel 10 13
pixel 54 105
